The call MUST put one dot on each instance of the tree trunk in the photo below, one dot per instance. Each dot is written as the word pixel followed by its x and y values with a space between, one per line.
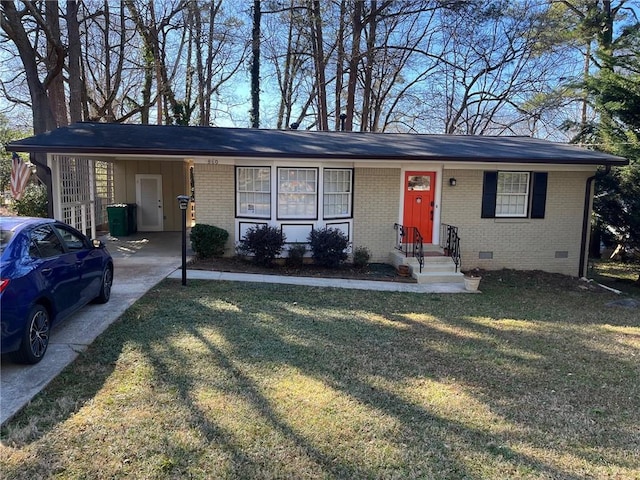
pixel 320 65
pixel 255 66
pixel 196 25
pixel 75 70
pixel 340 60
pixel 365 124
pixel 353 65
pixel 152 40
pixel 286 87
pixel 55 64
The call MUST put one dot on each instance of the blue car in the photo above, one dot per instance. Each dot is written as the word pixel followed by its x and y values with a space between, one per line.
pixel 48 270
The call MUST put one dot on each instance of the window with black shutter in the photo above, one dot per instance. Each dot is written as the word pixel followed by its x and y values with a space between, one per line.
pixel 514 194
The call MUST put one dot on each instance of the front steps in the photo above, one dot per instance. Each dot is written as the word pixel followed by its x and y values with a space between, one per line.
pixel 437 268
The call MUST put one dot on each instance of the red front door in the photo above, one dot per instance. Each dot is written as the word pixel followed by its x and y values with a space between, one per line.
pixel 418 203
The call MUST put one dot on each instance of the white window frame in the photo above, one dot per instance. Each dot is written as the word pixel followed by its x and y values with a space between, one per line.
pixel 246 197
pixel 505 196
pixel 329 193
pixel 297 192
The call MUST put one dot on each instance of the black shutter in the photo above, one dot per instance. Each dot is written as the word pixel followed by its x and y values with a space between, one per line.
pixel 489 194
pixel 539 194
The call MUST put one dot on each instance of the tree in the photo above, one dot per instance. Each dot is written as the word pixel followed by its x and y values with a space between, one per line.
pixel 430 66
pixel 616 94
pixel 77 94
pixel 8 134
pixel 293 65
pixel 347 58
pixel 288 60
pixel 106 48
pixel 154 32
pixel 490 66
pixel 34 202
pixel 255 65
pixel 43 77
pixel 317 43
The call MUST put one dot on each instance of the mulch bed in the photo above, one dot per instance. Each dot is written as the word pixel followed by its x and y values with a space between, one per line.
pixel 373 271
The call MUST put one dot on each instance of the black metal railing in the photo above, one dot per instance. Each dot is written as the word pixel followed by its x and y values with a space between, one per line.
pixel 450 243
pixel 409 241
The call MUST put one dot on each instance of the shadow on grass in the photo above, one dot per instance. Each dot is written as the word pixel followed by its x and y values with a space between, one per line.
pixel 540 372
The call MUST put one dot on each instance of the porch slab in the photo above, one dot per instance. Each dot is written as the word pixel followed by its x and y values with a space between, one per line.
pixel 438 277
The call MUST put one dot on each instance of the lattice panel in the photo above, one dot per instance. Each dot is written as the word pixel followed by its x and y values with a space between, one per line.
pixel 75 180
pixel 104 194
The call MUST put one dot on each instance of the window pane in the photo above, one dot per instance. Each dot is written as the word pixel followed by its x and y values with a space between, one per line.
pixel 337 193
pixel 419 182
pixel 297 192
pixel 253 191
pixel 513 194
pixel 258 204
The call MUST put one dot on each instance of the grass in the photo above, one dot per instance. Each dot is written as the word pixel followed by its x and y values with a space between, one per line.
pixel 536 378
pixel 618 275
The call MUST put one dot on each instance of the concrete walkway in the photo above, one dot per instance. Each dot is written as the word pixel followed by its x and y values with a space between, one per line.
pixel 141 261
pixel 323 282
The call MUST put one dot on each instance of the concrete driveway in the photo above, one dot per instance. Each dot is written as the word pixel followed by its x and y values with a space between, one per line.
pixel 140 261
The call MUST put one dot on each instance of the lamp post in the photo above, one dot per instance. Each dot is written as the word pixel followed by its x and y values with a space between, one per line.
pixel 183 201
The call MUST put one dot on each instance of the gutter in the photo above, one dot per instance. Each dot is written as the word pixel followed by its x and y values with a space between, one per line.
pixel 585 221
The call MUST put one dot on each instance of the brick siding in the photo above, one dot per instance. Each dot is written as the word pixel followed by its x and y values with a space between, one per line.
pixel 551 244
pixel 376 208
pixel 215 199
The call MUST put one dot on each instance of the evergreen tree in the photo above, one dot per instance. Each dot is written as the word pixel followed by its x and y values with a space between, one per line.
pixel 616 94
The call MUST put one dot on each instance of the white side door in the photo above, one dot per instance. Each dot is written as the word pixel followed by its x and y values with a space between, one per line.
pixel 149 200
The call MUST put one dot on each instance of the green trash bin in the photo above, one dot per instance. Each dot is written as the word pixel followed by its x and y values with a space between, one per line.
pixel 118 220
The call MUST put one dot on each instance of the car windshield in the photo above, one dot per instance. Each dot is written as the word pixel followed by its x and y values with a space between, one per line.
pixel 5 237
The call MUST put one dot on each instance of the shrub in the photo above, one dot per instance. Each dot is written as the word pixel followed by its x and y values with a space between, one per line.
pixel 295 257
pixel 328 247
pixel 33 202
pixel 263 242
pixel 361 257
pixel 207 240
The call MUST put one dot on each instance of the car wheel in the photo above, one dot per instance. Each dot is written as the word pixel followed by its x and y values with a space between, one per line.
pixel 35 339
pixel 105 288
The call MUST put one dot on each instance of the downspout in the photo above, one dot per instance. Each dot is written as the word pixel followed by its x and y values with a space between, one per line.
pixel 586 222
pixel 43 172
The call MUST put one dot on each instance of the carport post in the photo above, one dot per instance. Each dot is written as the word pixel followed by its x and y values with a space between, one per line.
pixel 183 201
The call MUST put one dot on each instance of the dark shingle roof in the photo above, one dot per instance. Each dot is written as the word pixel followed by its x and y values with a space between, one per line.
pixel 181 141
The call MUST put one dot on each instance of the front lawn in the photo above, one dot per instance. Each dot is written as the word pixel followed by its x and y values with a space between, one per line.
pixel 535 378
pixel 618 275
